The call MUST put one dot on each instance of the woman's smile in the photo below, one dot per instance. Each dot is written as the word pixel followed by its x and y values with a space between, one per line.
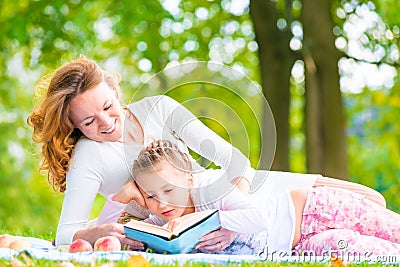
pixel 111 130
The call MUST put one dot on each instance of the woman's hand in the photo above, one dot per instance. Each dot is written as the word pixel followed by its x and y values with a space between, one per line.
pixel 128 192
pixel 113 229
pixel 217 240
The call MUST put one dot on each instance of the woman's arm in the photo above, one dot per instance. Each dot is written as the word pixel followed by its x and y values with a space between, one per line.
pixel 83 183
pixel 106 225
pixel 206 143
pixel 88 174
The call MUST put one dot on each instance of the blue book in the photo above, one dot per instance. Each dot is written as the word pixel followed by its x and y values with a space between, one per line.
pixel 184 237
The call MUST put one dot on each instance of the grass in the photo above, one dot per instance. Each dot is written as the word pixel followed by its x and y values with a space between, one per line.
pixel 25 260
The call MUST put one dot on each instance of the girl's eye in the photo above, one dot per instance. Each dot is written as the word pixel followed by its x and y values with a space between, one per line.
pixel 88 123
pixel 150 197
pixel 108 107
pixel 168 190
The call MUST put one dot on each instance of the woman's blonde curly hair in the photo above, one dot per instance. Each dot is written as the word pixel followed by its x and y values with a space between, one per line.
pixel 50 120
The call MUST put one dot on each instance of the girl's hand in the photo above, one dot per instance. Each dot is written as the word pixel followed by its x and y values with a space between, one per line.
pixel 217 240
pixel 172 224
pixel 128 192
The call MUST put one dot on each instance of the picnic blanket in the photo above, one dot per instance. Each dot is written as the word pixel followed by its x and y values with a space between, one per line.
pixel 88 257
pixel 43 249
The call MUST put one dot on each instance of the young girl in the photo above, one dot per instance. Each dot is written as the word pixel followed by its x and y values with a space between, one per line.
pixel 320 219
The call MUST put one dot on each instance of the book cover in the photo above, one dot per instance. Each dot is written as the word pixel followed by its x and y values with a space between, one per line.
pixel 184 238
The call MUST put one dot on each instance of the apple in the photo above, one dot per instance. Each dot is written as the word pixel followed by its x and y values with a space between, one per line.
pixel 107 243
pixel 20 244
pixel 80 245
pixel 5 240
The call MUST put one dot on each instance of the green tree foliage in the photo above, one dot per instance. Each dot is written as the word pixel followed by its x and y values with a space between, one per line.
pixel 373 131
pixel 135 39
pixel 374 139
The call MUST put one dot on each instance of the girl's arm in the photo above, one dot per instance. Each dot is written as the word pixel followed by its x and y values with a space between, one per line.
pixel 111 211
pixel 116 203
pixel 243 214
pixel 238 214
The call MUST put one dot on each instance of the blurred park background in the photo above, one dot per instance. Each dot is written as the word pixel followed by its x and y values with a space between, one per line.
pixel 328 68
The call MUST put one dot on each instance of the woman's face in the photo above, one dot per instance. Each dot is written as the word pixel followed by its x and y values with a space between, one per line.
pixel 97 113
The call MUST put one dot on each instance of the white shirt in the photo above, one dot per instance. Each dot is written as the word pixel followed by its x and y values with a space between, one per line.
pixel 103 167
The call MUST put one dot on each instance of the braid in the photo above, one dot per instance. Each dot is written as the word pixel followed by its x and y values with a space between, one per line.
pixel 159 151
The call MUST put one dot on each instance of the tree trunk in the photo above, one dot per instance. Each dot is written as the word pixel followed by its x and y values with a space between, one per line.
pixel 276 62
pixel 325 129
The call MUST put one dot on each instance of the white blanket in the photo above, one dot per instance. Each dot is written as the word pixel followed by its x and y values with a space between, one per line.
pixel 52 254
pixel 88 257
pixel 43 249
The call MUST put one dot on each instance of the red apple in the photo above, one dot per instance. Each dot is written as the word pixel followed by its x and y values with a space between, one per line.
pixel 5 240
pixel 107 243
pixel 80 245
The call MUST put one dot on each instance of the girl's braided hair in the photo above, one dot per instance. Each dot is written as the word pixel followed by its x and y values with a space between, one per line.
pixel 159 151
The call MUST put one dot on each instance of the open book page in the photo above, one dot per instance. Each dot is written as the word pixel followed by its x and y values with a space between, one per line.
pixel 149 228
pixel 189 221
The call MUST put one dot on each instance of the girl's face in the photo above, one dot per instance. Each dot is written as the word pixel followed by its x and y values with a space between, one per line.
pixel 166 191
pixel 97 113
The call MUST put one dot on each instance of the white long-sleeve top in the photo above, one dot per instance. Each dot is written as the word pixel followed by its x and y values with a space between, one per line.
pixel 261 222
pixel 103 167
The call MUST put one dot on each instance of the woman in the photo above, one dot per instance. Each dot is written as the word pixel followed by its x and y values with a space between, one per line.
pixel 86 135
